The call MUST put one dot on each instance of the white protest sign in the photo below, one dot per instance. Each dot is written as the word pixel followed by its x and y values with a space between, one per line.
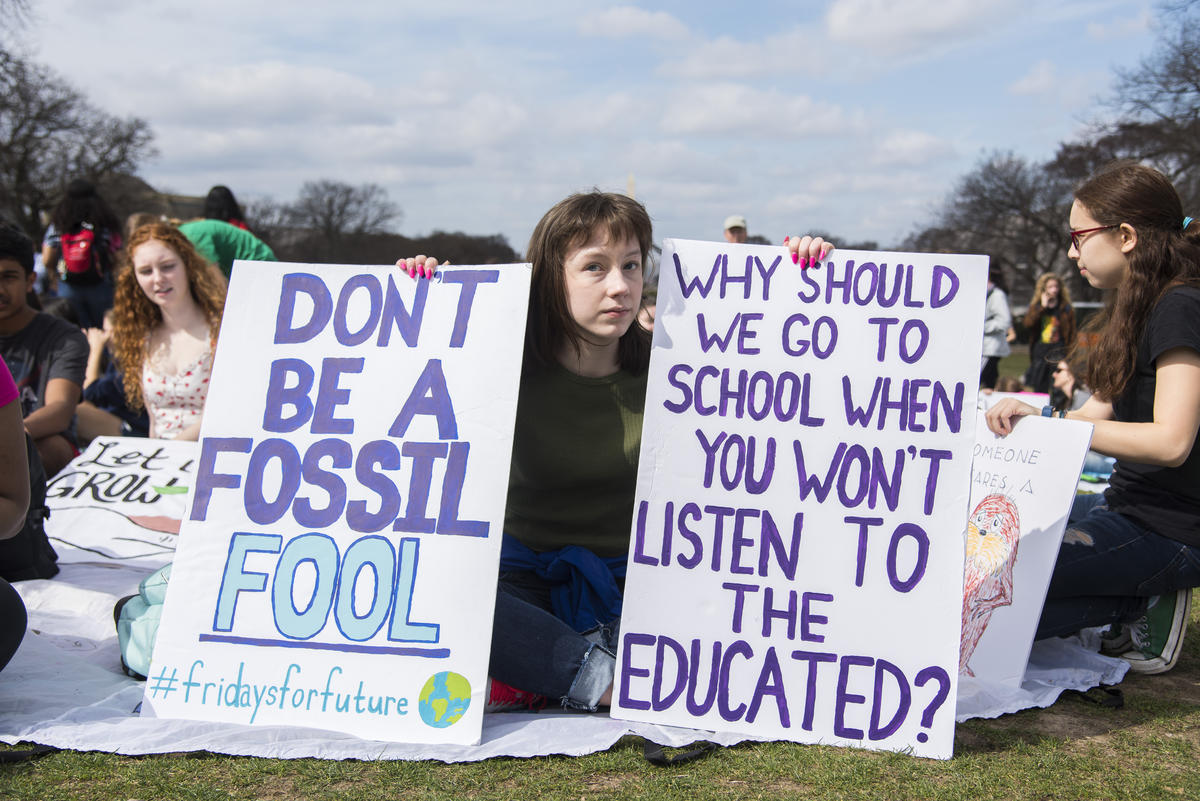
pixel 795 565
pixel 338 562
pixel 121 501
pixel 1022 488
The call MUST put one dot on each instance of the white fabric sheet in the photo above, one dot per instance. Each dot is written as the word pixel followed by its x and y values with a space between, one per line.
pixel 65 689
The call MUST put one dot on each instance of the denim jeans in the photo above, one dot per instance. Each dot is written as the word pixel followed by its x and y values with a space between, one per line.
pixel 89 301
pixel 1108 567
pixel 534 651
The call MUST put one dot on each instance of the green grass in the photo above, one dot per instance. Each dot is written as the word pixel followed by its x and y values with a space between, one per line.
pixel 1016 363
pixel 1150 749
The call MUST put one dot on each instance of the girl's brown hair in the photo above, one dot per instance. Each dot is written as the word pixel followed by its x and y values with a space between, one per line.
pixel 1166 255
pixel 134 315
pixel 570 224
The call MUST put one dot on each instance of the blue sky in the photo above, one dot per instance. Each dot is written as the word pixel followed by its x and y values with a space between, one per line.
pixel 852 116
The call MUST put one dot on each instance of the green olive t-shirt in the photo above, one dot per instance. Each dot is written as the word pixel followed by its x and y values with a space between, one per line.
pixel 574 461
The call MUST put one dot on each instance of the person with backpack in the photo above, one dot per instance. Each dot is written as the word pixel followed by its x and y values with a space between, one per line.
pixel 82 242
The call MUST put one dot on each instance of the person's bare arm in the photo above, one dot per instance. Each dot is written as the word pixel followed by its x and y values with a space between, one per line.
pixel 14 471
pixel 1166 440
pixel 54 417
pixel 97 339
pixel 50 257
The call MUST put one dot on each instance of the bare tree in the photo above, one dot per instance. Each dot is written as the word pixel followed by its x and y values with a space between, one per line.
pixel 49 134
pixel 1159 103
pixel 334 210
pixel 1011 209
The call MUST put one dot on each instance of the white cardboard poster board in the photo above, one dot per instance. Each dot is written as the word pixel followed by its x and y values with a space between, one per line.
pixel 121 501
pixel 796 558
pixel 338 562
pixel 1022 488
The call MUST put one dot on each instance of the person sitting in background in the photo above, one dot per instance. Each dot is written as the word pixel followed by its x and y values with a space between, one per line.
pixel 1070 395
pixel 45 355
pixel 14 502
pixel 81 210
pixel 1131 556
pixel 104 411
pixel 220 204
pixel 166 317
pixel 223 244
pixel 1067 393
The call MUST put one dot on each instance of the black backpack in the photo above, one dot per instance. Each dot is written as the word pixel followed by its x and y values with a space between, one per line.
pixel 28 554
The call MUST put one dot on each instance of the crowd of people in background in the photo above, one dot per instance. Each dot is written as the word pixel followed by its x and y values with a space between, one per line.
pixel 111 331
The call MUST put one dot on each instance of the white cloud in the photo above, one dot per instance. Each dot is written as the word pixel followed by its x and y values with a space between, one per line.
pixel 620 22
pixel 800 50
pixel 910 149
pixel 908 26
pixel 730 108
pixel 1040 79
pixel 1120 28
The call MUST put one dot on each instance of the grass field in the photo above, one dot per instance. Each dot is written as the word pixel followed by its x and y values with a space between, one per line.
pixel 1150 749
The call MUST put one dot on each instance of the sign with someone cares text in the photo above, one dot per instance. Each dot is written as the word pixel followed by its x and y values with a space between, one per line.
pixel 796 559
pixel 337 564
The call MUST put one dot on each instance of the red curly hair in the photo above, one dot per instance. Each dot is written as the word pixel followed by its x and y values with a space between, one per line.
pixel 135 316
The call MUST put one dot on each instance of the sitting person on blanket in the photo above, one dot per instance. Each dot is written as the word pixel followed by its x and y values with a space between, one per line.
pixel 575 453
pixel 1130 557
pixel 45 355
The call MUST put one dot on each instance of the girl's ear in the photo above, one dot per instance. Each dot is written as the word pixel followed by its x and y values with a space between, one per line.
pixel 1129 237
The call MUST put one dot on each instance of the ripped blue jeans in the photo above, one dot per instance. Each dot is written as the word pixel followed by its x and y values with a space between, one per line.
pixel 534 651
pixel 1108 567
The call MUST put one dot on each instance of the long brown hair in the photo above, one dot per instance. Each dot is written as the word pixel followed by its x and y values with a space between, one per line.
pixel 570 224
pixel 1166 255
pixel 134 315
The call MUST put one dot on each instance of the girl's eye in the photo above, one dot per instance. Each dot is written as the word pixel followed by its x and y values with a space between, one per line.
pixel 593 268
pixel 633 265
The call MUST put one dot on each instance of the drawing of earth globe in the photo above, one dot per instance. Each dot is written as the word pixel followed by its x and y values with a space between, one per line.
pixel 444 699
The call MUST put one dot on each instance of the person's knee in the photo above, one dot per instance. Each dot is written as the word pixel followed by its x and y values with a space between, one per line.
pixel 56 452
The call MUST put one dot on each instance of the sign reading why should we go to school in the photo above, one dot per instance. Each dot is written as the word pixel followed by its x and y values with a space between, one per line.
pixel 796 560
pixel 337 564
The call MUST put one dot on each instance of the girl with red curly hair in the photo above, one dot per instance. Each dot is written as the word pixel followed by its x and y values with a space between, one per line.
pixel 166 316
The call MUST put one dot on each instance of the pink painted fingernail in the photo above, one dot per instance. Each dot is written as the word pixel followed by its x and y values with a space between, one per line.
pixel 795 257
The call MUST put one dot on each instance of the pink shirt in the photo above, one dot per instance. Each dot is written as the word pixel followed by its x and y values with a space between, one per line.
pixel 8 387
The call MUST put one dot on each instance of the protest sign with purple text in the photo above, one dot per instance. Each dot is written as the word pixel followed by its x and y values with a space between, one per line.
pixel 795 566
pixel 337 565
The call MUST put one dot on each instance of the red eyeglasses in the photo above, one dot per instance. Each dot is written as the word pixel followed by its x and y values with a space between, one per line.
pixel 1077 236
